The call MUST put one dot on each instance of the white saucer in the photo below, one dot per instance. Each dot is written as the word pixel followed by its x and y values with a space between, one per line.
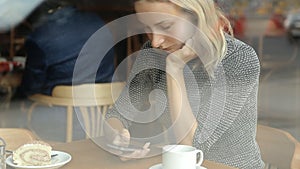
pixel 159 166
pixel 58 161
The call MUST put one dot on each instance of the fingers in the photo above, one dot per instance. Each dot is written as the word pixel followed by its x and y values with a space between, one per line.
pixel 183 55
pixel 140 153
pixel 134 155
pixel 188 49
pixel 125 136
pixel 146 145
pixel 122 138
pixel 189 43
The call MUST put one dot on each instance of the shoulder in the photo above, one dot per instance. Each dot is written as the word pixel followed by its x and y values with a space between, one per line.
pixel 239 50
pixel 240 60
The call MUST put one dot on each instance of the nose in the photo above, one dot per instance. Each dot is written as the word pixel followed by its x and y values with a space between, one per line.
pixel 157 40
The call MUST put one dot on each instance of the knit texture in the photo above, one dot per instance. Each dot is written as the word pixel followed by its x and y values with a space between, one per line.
pixel 225 106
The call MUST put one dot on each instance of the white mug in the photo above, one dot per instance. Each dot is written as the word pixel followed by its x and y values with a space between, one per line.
pixel 181 157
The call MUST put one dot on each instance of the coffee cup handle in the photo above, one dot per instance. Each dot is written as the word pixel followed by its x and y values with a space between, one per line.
pixel 201 157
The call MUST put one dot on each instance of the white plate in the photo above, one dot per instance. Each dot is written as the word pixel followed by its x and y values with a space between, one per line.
pixel 58 161
pixel 159 166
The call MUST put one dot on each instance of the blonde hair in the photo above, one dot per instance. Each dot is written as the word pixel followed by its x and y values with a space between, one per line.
pixel 211 21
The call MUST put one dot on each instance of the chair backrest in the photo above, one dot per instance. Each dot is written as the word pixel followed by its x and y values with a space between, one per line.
pixel 91 101
pixel 15 137
pixel 278 147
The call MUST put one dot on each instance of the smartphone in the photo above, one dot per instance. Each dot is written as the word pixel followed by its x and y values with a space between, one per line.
pixel 130 148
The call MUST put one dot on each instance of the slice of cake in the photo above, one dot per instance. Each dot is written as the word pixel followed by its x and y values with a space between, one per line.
pixel 36 153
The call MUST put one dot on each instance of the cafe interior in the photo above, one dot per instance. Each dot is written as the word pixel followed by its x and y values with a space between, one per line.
pixel 72 134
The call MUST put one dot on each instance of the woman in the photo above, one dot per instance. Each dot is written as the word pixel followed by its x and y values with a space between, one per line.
pixel 210 81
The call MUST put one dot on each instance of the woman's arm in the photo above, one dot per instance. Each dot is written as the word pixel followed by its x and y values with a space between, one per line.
pixel 117 133
pixel 184 121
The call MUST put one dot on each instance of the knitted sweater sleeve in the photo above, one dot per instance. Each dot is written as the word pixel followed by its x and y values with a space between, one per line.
pixel 147 74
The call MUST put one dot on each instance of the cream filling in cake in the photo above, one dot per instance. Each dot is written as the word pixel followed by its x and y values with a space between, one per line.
pixel 37 153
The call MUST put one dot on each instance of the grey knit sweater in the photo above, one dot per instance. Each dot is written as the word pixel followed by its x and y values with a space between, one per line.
pixel 225 106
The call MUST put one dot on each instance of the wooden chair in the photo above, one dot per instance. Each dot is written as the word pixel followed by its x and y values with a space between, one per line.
pixel 15 137
pixel 278 148
pixel 92 100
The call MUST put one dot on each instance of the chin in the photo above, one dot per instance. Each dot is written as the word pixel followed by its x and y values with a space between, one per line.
pixel 174 48
pixel 171 50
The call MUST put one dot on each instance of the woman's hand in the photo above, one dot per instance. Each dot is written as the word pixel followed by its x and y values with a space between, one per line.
pixel 180 109
pixel 123 139
pixel 139 153
pixel 178 59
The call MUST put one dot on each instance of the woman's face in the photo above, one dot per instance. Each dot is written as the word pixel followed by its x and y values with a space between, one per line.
pixel 165 24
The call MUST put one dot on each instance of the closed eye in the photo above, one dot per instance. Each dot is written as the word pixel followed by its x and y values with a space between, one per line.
pixel 166 26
